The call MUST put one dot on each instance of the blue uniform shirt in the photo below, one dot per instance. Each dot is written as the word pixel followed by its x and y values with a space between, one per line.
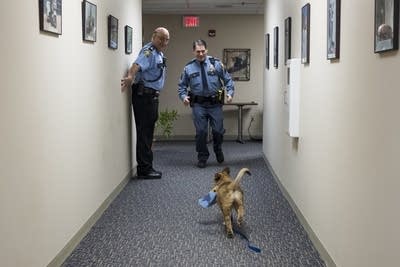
pixel 217 77
pixel 152 67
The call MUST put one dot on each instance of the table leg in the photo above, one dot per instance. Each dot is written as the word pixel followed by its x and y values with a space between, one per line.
pixel 240 125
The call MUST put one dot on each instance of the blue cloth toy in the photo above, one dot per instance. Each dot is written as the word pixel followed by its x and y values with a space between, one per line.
pixel 208 200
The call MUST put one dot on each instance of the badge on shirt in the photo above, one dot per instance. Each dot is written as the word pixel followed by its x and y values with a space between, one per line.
pixel 212 68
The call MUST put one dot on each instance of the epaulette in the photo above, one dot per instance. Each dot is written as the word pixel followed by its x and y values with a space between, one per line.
pixel 213 59
pixel 190 62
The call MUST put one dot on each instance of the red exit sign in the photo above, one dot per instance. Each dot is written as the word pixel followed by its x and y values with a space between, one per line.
pixel 191 21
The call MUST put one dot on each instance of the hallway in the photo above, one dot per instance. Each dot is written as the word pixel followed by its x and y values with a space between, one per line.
pixel 159 223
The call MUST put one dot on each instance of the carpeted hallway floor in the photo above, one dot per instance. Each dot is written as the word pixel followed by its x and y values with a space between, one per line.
pixel 159 222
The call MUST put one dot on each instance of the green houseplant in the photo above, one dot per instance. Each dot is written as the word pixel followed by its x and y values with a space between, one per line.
pixel 165 122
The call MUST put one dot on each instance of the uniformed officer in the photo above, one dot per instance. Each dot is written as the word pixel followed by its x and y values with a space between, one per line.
pixel 148 73
pixel 206 77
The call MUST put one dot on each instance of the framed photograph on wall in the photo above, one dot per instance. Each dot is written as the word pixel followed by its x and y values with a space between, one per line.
pixel 333 29
pixel 50 16
pixel 89 21
pixel 128 39
pixel 288 39
pixel 267 51
pixel 305 34
pixel 276 46
pixel 386 25
pixel 112 32
pixel 237 63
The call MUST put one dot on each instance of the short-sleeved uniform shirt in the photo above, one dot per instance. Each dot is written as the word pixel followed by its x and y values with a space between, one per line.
pixel 152 67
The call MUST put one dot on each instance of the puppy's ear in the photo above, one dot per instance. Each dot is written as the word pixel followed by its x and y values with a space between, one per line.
pixel 217 177
pixel 226 170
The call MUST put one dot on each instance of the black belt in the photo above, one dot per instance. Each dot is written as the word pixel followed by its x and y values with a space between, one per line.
pixel 139 89
pixel 205 99
pixel 150 91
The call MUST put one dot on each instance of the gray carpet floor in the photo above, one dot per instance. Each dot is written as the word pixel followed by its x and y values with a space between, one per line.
pixel 159 222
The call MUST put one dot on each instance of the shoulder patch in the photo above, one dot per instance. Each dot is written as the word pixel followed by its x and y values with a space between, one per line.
pixel 147 52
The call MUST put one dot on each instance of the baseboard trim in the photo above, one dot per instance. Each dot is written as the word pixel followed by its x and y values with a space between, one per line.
pixel 77 238
pixel 313 237
pixel 192 138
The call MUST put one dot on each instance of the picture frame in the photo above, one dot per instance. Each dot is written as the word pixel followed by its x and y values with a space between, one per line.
pixel 112 32
pixel 237 63
pixel 89 21
pixel 276 46
pixel 288 39
pixel 386 33
pixel 267 51
pixel 305 33
pixel 128 39
pixel 333 29
pixel 50 16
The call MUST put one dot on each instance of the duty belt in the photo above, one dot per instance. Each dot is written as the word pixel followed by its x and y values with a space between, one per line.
pixel 218 98
pixel 206 99
pixel 140 89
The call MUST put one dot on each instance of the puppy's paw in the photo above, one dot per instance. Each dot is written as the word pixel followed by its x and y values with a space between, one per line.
pixel 229 234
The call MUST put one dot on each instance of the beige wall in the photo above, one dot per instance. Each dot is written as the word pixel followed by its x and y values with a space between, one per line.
pixel 232 32
pixel 64 125
pixel 343 173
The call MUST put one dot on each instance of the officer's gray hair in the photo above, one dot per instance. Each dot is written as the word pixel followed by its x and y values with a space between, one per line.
pixel 199 42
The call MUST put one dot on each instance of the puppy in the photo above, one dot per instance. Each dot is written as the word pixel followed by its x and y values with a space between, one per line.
pixel 230 195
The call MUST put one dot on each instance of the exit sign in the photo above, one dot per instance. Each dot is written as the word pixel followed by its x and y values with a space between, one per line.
pixel 191 21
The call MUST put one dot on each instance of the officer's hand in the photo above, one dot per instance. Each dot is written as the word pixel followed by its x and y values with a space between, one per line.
pixel 229 98
pixel 186 101
pixel 125 82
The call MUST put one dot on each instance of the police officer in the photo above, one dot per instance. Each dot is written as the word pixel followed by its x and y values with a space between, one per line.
pixel 206 77
pixel 148 74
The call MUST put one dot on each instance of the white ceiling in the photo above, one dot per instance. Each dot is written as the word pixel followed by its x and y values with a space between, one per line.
pixel 194 7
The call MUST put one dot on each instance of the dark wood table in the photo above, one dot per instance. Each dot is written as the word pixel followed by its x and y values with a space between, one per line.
pixel 240 106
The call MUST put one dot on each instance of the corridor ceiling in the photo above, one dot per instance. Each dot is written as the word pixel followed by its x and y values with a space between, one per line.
pixel 195 7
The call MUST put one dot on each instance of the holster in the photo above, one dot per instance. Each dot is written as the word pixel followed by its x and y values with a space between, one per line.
pixel 221 96
pixel 138 88
pixel 191 98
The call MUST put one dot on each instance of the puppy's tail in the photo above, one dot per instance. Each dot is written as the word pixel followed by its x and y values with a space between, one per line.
pixel 239 176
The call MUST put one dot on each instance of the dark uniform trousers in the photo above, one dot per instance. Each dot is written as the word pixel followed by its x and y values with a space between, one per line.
pixel 202 115
pixel 145 108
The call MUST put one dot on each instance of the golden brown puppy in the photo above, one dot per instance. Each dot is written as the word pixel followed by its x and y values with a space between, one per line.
pixel 230 195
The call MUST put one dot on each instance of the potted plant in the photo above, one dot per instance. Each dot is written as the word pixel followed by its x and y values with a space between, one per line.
pixel 165 122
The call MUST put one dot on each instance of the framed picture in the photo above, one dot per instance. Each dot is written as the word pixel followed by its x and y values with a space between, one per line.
pixel 128 39
pixel 267 51
pixel 237 62
pixel 50 16
pixel 89 21
pixel 288 38
pixel 305 34
pixel 112 32
pixel 333 29
pixel 386 25
pixel 276 46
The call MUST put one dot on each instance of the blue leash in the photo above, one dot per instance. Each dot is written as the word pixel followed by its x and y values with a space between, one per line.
pixel 249 245
pixel 209 200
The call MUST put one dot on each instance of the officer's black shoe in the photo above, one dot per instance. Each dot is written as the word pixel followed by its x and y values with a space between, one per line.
pixel 152 174
pixel 220 156
pixel 156 171
pixel 201 164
